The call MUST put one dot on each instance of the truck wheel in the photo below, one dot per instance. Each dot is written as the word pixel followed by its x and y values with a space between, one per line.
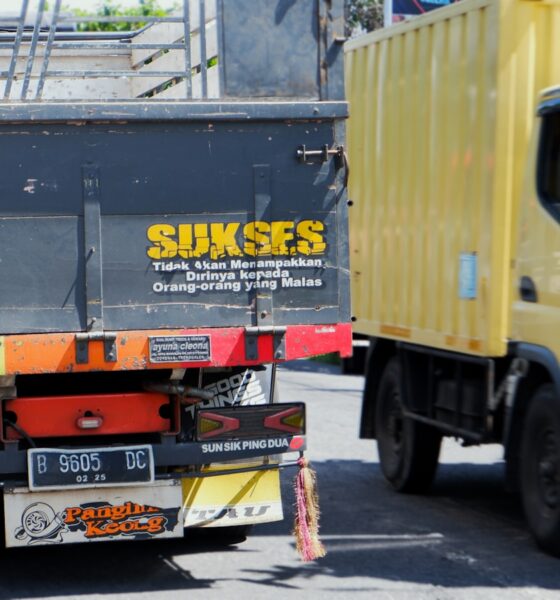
pixel 408 450
pixel 540 468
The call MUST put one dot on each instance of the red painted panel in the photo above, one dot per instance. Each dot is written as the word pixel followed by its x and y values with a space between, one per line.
pixel 56 352
pixel 58 416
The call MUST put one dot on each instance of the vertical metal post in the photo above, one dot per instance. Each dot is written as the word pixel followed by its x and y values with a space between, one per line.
pixel 48 48
pixel 33 48
pixel 262 185
pixel 387 13
pixel 92 240
pixel 203 57
pixel 221 47
pixel 188 61
pixel 15 52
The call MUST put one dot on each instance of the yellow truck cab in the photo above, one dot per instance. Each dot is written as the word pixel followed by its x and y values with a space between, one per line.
pixel 455 241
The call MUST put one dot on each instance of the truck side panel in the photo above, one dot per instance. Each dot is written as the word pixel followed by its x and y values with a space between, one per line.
pixel 441 107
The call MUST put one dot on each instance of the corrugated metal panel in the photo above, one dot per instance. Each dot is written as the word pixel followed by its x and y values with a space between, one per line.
pixel 442 109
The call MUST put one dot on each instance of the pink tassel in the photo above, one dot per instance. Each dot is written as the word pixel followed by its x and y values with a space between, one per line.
pixel 306 526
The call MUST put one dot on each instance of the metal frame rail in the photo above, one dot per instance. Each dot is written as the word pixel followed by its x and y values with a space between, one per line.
pixel 47 38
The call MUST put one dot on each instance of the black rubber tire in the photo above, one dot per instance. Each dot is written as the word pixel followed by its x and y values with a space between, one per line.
pixel 408 450
pixel 540 468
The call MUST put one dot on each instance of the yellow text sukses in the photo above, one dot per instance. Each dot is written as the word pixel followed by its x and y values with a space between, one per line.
pixel 220 240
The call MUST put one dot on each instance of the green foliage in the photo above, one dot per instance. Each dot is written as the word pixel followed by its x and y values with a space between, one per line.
pixel 365 14
pixel 111 8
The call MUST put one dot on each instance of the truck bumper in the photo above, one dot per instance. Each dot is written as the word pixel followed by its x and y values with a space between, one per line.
pixel 154 511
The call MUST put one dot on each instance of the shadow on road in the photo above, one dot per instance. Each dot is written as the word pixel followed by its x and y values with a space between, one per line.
pixel 121 567
pixel 467 533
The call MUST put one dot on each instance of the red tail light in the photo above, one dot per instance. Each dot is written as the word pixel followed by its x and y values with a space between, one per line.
pixel 212 424
pixel 260 421
pixel 291 420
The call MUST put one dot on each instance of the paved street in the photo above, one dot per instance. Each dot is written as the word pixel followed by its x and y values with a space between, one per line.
pixel 466 540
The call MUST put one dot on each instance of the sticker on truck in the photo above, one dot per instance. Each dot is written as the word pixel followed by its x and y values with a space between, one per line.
pixel 93 515
pixel 180 348
pixel 468 267
pixel 237 257
pixel 237 386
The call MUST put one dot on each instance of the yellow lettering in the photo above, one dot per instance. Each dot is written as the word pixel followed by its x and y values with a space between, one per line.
pixel 257 236
pixel 218 240
pixel 223 240
pixel 193 246
pixel 163 245
pixel 310 241
pixel 282 232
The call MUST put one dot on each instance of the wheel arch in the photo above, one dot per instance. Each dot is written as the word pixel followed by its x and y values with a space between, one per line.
pixel 379 353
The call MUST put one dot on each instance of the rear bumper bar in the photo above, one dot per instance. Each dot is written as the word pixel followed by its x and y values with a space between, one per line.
pixel 172 454
pixel 130 350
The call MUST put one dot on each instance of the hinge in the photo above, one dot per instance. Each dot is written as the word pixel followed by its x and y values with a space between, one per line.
pixel 252 341
pixel 109 346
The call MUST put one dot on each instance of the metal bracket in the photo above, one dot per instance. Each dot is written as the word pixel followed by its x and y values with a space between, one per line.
pixel 506 391
pixel 304 155
pixel 109 346
pixel 252 341
pixel 92 247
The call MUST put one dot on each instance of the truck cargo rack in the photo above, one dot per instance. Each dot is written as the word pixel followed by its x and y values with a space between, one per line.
pixel 154 60
pixel 200 51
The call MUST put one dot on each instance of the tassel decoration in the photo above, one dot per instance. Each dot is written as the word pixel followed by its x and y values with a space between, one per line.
pixel 306 526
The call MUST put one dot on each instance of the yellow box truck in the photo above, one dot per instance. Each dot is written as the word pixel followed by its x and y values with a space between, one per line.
pixel 454 145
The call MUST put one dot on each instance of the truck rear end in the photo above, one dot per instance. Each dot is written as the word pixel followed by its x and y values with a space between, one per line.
pixel 171 230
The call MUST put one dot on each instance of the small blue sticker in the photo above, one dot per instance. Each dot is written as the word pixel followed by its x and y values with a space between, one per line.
pixel 467 275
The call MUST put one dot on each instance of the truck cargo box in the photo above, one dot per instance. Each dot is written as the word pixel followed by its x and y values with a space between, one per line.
pixel 442 113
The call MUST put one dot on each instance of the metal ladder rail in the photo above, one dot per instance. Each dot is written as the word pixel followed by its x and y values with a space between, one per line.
pixel 36 38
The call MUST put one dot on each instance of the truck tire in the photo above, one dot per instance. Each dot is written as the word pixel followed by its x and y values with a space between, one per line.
pixel 408 450
pixel 540 468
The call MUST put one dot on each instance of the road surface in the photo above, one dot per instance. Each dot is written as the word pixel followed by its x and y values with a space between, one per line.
pixel 466 540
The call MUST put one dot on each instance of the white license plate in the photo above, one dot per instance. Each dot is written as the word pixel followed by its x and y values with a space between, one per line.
pixel 54 469
pixel 93 515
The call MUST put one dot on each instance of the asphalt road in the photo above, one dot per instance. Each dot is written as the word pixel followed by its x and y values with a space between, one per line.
pixel 466 540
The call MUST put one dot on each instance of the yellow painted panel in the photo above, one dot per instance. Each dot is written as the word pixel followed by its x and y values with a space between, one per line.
pixel 234 499
pixel 442 109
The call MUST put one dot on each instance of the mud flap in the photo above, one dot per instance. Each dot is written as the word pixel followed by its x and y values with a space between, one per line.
pixel 229 500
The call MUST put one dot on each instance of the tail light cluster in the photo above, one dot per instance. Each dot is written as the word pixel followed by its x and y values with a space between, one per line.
pixel 250 421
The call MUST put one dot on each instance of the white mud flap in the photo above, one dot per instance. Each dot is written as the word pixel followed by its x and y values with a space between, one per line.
pixel 93 515
pixel 236 499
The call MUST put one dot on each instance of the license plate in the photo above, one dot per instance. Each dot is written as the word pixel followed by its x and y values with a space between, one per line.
pixel 51 469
